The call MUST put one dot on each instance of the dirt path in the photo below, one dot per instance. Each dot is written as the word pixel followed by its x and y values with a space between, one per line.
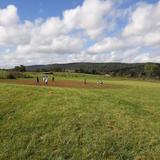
pixel 64 84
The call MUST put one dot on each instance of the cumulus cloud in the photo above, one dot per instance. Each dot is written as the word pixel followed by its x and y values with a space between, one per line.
pixel 66 39
pixel 30 40
pixel 8 16
pixel 10 31
pixel 144 25
pixel 90 17
pixel 142 31
pixel 61 45
pixel 145 18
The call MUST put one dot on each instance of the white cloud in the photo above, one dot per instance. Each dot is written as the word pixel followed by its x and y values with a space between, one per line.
pixel 108 45
pixel 63 39
pixel 145 18
pixel 61 45
pixel 53 27
pixel 8 16
pixel 90 17
pixel 11 32
pixel 142 31
pixel 14 35
pixel 44 41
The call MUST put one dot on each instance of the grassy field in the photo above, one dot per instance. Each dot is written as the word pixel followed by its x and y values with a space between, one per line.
pixel 57 75
pixel 45 123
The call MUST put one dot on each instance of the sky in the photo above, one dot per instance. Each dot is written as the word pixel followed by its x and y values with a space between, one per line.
pixel 65 31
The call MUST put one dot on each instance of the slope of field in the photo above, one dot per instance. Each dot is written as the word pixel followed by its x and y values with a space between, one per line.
pixel 61 123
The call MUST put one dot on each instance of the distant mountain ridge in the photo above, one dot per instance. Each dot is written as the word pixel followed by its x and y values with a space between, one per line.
pixel 95 68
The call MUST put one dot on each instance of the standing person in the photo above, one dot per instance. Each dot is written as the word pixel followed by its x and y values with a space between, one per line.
pixel 53 79
pixel 43 79
pixel 97 82
pixel 37 80
pixel 46 80
pixel 85 81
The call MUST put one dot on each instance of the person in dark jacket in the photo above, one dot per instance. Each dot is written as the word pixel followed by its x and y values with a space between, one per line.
pixel 37 80
pixel 53 79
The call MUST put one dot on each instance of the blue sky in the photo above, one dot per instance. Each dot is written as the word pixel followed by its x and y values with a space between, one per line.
pixel 36 32
pixel 31 9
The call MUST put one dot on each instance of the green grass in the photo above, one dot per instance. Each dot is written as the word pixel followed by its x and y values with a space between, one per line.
pixel 45 123
pixel 3 74
pixel 67 75
pixel 57 75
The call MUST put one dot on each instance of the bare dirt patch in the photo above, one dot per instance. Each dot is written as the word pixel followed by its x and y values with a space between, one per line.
pixel 64 84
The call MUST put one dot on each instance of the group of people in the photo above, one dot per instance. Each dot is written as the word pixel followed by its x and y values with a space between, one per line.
pixel 45 80
pixel 99 82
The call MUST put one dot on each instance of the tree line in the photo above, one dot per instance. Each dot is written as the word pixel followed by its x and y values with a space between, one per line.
pixel 146 70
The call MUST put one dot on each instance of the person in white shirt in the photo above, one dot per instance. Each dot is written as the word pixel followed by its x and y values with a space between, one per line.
pixel 43 79
pixel 46 80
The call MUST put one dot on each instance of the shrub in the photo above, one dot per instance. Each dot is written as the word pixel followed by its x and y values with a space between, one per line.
pixel 11 75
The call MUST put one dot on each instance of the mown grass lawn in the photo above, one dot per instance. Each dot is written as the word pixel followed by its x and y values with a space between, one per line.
pixel 79 124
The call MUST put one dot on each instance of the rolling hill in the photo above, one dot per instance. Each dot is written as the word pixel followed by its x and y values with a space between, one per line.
pixel 120 69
